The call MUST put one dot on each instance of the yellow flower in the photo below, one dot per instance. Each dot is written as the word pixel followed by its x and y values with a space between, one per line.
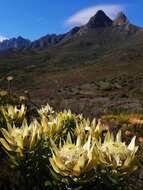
pixel 19 139
pixel 85 128
pixel 49 127
pixel 13 113
pixel 115 153
pixel 45 110
pixel 57 124
pixel 73 159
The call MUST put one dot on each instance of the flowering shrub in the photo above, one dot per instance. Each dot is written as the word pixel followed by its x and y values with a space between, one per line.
pixel 74 159
pixel 63 150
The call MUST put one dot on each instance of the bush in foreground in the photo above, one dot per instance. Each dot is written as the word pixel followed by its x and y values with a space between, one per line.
pixel 62 150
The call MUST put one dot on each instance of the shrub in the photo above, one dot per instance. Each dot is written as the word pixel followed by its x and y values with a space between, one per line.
pixel 61 150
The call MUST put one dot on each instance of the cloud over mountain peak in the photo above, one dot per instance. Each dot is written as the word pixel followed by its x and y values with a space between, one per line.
pixel 82 16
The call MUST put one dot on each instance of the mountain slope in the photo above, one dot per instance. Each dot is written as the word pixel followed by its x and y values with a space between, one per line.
pixel 86 43
pixel 97 23
pixel 101 60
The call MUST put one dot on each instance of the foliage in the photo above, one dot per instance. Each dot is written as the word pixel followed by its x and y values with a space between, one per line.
pixel 61 150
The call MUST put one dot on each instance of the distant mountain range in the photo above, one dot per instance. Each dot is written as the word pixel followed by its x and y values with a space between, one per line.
pixel 99 62
pixel 14 43
pixel 99 20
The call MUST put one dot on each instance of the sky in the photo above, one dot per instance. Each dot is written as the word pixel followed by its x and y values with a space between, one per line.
pixel 35 18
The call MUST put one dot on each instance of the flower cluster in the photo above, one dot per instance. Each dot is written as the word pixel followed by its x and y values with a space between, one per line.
pixel 74 147
pixel 13 113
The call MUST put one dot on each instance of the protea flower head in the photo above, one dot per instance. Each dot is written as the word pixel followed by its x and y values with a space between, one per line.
pixel 13 113
pixel 45 110
pixel 66 117
pixel 73 159
pixel 86 127
pixel 20 139
pixel 58 125
pixel 49 128
pixel 115 153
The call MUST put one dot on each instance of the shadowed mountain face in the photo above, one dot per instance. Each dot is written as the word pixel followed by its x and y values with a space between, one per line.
pixel 99 20
pixel 101 60
pixel 46 41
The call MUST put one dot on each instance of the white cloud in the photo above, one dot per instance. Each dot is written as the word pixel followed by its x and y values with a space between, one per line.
pixel 82 16
pixel 2 38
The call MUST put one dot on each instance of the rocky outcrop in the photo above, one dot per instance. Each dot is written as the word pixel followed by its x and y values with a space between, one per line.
pixel 121 19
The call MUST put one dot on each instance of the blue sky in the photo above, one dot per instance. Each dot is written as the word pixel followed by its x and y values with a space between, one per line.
pixel 35 18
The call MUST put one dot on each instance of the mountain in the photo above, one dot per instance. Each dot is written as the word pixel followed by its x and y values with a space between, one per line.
pixel 15 43
pixel 97 65
pixel 121 19
pixel 100 19
pixel 42 43
pixel 46 41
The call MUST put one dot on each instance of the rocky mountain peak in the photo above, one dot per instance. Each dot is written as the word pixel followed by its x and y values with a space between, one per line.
pixel 20 38
pixel 100 19
pixel 121 19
